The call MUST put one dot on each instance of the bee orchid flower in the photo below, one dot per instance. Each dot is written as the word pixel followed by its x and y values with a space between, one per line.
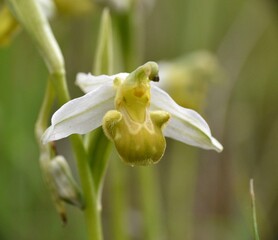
pixel 135 114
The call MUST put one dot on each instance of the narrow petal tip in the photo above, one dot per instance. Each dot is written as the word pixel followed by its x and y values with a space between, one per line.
pixel 217 145
pixel 48 135
pixel 186 125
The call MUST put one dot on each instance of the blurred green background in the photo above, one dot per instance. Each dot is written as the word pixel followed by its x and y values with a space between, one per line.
pixel 201 194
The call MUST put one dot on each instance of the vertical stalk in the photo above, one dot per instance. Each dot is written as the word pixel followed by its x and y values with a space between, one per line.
pixel 44 113
pixel 180 190
pixel 45 150
pixel 119 206
pixel 91 211
pixel 255 225
pixel 150 199
pixel 97 144
pixel 130 27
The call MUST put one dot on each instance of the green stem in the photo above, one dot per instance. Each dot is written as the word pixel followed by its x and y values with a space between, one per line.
pixel 131 32
pixel 45 150
pixel 104 52
pixel 58 81
pixel 255 225
pixel 118 190
pixel 180 189
pixel 97 144
pixel 99 150
pixel 44 113
pixel 150 197
pixel 91 211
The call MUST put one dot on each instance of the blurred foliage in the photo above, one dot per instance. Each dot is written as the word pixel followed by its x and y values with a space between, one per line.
pixel 202 195
pixel 8 27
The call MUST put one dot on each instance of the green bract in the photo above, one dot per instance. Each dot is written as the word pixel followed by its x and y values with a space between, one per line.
pixel 134 113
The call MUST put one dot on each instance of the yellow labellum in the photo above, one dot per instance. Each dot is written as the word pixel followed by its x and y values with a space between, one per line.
pixel 135 130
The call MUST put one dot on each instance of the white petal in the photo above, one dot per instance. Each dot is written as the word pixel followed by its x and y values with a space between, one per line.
pixel 185 124
pixel 88 82
pixel 48 8
pixel 81 115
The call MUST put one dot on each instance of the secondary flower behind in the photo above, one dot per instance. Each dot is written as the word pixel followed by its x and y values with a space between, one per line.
pixel 134 113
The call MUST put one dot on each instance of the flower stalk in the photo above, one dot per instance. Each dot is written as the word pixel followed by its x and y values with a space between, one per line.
pixel 98 146
pixel 254 215
pixel 45 150
pixel 151 203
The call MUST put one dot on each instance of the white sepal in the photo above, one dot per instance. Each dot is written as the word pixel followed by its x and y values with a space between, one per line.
pixel 185 125
pixel 89 82
pixel 81 115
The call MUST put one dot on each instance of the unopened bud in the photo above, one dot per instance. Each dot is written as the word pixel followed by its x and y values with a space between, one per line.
pixel 187 78
pixel 64 183
pixel 58 203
